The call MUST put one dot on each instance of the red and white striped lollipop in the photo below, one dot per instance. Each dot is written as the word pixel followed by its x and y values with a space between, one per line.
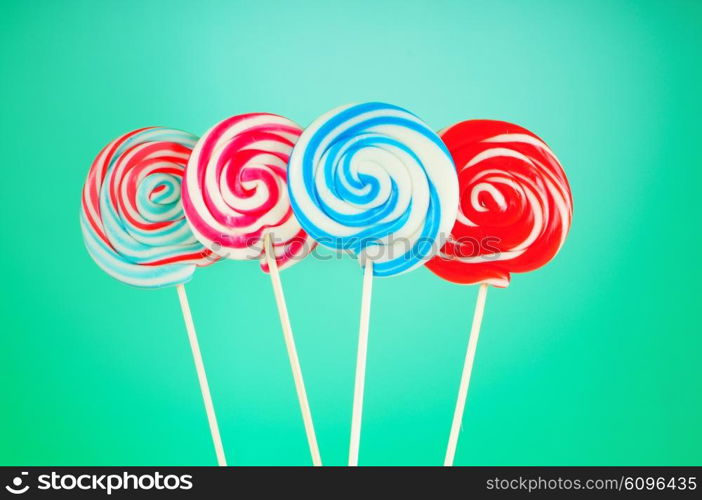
pixel 514 214
pixel 515 204
pixel 234 189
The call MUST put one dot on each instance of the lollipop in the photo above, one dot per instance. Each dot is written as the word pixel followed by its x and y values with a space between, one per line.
pixel 373 179
pixel 515 208
pixel 515 212
pixel 236 201
pixel 132 217
pixel 370 175
pixel 235 192
pixel 133 224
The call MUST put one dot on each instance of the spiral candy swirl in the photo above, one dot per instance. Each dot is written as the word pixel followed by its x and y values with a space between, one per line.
pixel 131 213
pixel 235 189
pixel 374 176
pixel 515 206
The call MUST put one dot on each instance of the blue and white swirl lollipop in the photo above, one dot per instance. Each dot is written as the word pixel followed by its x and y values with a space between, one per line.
pixel 372 175
pixel 374 179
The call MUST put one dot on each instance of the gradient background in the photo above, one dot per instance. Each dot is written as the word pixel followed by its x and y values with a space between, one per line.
pixel 594 359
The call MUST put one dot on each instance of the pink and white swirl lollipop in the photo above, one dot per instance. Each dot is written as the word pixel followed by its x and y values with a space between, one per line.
pixel 235 198
pixel 235 192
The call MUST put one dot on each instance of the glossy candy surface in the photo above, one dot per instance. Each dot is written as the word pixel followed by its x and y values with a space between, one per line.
pixel 515 204
pixel 131 212
pixel 374 179
pixel 235 189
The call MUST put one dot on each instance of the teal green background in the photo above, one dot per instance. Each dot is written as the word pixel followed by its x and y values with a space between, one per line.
pixel 594 359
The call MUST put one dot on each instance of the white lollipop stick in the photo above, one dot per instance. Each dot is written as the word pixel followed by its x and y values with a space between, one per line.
pixel 292 351
pixel 361 364
pixel 465 376
pixel 202 376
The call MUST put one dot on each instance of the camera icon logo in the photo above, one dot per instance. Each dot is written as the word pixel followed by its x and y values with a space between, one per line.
pixel 16 488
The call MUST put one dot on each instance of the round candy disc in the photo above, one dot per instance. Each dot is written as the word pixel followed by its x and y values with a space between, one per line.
pixel 131 213
pixel 376 180
pixel 515 204
pixel 235 189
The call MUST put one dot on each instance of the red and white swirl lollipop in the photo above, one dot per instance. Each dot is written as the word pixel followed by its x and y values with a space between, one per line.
pixel 514 215
pixel 235 198
pixel 235 189
pixel 515 204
